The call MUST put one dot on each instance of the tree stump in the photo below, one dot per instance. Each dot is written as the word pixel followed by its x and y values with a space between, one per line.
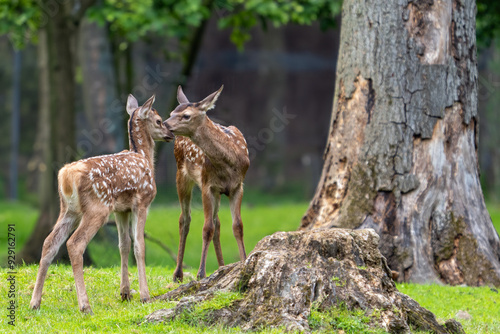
pixel 290 273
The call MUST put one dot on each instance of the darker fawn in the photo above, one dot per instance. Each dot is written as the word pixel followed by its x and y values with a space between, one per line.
pixel 90 189
pixel 215 158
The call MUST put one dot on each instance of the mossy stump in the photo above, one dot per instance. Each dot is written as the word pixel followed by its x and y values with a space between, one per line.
pixel 290 273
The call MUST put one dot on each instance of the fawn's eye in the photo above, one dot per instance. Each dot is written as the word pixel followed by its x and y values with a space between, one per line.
pixel 158 122
pixel 186 117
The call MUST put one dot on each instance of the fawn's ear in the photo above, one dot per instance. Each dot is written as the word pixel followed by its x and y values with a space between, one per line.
pixel 181 97
pixel 131 104
pixel 146 107
pixel 209 102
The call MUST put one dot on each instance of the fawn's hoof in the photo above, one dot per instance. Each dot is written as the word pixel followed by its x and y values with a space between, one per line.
pixel 178 277
pixel 126 296
pixel 145 300
pixel 86 310
pixel 35 305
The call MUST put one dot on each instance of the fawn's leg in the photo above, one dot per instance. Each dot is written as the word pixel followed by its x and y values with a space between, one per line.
pixel 184 190
pixel 138 224
pixel 123 226
pixel 218 250
pixel 210 209
pixel 235 206
pixel 92 221
pixel 65 224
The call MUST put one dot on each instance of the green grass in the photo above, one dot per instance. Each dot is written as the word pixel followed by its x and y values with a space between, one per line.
pixel 482 303
pixel 23 217
pixel 59 312
pixel 59 309
pixel 494 210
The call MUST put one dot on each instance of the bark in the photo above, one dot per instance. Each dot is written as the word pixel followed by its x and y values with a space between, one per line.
pixel 401 155
pixel 287 274
pixel 57 111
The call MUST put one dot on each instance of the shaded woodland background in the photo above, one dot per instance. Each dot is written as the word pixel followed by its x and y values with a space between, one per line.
pixel 282 71
pixel 287 70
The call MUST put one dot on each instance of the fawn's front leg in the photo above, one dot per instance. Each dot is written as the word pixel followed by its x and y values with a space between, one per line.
pixel 216 240
pixel 184 190
pixel 210 208
pixel 123 226
pixel 138 224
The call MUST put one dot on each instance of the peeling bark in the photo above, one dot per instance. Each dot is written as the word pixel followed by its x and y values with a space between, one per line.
pixel 401 155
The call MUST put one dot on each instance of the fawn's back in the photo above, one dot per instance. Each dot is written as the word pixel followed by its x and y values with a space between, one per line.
pixel 117 181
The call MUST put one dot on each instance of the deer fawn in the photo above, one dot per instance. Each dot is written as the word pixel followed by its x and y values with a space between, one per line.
pixel 216 159
pixel 90 189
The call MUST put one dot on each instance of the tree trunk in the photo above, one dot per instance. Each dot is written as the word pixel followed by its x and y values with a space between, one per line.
pixel 401 155
pixel 57 110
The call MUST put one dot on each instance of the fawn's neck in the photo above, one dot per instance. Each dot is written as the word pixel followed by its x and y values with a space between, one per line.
pixel 213 143
pixel 139 140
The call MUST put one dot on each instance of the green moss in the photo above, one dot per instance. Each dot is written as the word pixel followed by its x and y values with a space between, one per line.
pixel 457 241
pixel 360 196
pixel 341 318
pixel 444 241
pixel 202 314
pixel 337 281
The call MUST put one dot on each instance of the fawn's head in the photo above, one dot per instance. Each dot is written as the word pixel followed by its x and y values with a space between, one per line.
pixel 152 122
pixel 187 117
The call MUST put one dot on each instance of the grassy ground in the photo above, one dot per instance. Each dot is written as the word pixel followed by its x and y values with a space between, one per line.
pixel 59 310
pixel 483 304
pixel 60 313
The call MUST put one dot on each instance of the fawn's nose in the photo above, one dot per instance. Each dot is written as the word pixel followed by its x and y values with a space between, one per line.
pixel 166 124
